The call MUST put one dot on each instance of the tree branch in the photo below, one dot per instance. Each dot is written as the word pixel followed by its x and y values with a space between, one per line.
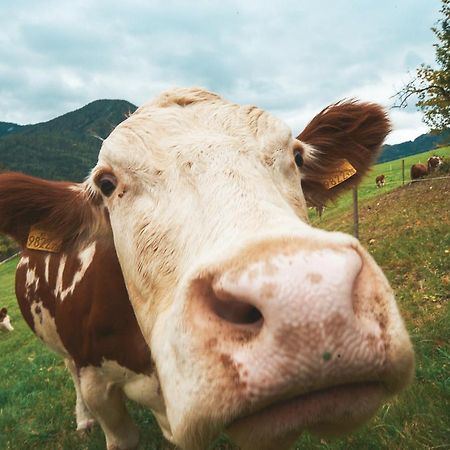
pixel 410 89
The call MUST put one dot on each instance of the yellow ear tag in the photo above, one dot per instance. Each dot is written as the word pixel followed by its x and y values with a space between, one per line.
pixel 343 172
pixel 43 241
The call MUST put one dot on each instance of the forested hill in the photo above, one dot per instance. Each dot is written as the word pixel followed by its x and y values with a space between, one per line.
pixel 64 148
pixel 421 144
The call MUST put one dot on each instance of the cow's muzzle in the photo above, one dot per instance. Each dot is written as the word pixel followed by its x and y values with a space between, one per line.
pixel 296 326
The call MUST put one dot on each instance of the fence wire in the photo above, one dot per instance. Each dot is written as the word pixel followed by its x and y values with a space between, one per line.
pixel 400 183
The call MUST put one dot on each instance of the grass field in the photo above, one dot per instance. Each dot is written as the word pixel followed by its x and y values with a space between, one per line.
pixel 407 230
pixel 392 170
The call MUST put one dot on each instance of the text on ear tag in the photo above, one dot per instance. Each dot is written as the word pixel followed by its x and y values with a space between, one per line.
pixel 39 239
pixel 343 172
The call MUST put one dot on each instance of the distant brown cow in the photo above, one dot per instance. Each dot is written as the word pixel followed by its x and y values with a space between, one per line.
pixel 418 171
pixel 434 162
pixel 379 180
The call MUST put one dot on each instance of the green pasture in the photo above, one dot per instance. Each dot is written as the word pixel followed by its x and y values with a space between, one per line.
pixel 392 170
pixel 406 229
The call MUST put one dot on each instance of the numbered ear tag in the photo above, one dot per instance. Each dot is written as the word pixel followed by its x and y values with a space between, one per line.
pixel 43 241
pixel 343 172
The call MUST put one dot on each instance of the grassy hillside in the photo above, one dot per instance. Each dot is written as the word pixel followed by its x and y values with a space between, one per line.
pixel 393 173
pixel 407 231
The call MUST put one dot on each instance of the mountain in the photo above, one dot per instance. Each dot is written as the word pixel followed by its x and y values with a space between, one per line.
pixel 64 148
pixel 7 127
pixel 421 144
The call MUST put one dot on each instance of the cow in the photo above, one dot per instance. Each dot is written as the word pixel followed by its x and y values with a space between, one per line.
pixel 5 321
pixel 418 171
pixel 380 180
pixel 433 163
pixel 183 274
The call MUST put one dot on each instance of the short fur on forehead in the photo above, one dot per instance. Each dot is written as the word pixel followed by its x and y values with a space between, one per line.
pixel 350 130
pixel 206 117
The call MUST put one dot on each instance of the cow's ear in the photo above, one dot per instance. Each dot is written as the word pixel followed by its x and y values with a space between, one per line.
pixel 68 212
pixel 340 144
pixel 3 312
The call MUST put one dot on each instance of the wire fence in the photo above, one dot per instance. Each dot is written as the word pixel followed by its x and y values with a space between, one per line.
pixel 9 258
pixel 375 188
pixel 400 183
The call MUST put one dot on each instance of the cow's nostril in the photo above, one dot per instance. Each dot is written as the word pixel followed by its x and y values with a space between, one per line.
pixel 236 312
pixel 224 306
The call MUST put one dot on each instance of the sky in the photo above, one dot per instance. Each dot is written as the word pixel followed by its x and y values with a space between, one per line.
pixel 289 57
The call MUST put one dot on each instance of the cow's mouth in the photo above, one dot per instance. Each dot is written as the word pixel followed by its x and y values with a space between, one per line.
pixel 331 411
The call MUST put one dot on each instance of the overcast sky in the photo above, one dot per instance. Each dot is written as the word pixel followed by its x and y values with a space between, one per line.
pixel 289 57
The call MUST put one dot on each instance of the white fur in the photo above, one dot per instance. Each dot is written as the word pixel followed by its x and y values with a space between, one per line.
pixel 45 327
pixel 5 324
pixel 85 256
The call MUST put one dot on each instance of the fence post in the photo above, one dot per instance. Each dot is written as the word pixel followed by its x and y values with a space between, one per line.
pixel 355 213
pixel 403 172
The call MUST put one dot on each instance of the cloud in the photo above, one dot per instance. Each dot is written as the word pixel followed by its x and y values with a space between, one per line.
pixel 289 57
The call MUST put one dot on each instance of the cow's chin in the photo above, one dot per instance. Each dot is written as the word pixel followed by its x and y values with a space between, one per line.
pixel 328 412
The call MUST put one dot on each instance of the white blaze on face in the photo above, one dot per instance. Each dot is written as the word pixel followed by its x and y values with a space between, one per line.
pixel 85 257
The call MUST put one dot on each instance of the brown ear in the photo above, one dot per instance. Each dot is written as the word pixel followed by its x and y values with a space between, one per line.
pixel 3 313
pixel 347 130
pixel 63 209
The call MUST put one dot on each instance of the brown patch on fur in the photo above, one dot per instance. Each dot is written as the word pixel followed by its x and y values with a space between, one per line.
pixel 211 343
pixel 269 160
pixel 268 291
pixel 314 278
pixel 97 321
pixel 348 130
pixel 232 371
pixel 242 335
pixel 332 325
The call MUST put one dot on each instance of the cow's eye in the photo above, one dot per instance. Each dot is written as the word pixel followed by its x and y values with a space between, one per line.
pixel 298 158
pixel 107 183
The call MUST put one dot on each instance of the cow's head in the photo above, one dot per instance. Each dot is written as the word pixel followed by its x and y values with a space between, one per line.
pixel 258 323
pixel 5 321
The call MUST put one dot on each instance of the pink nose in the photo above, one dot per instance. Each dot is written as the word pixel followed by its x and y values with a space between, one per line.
pixel 291 317
pixel 288 290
